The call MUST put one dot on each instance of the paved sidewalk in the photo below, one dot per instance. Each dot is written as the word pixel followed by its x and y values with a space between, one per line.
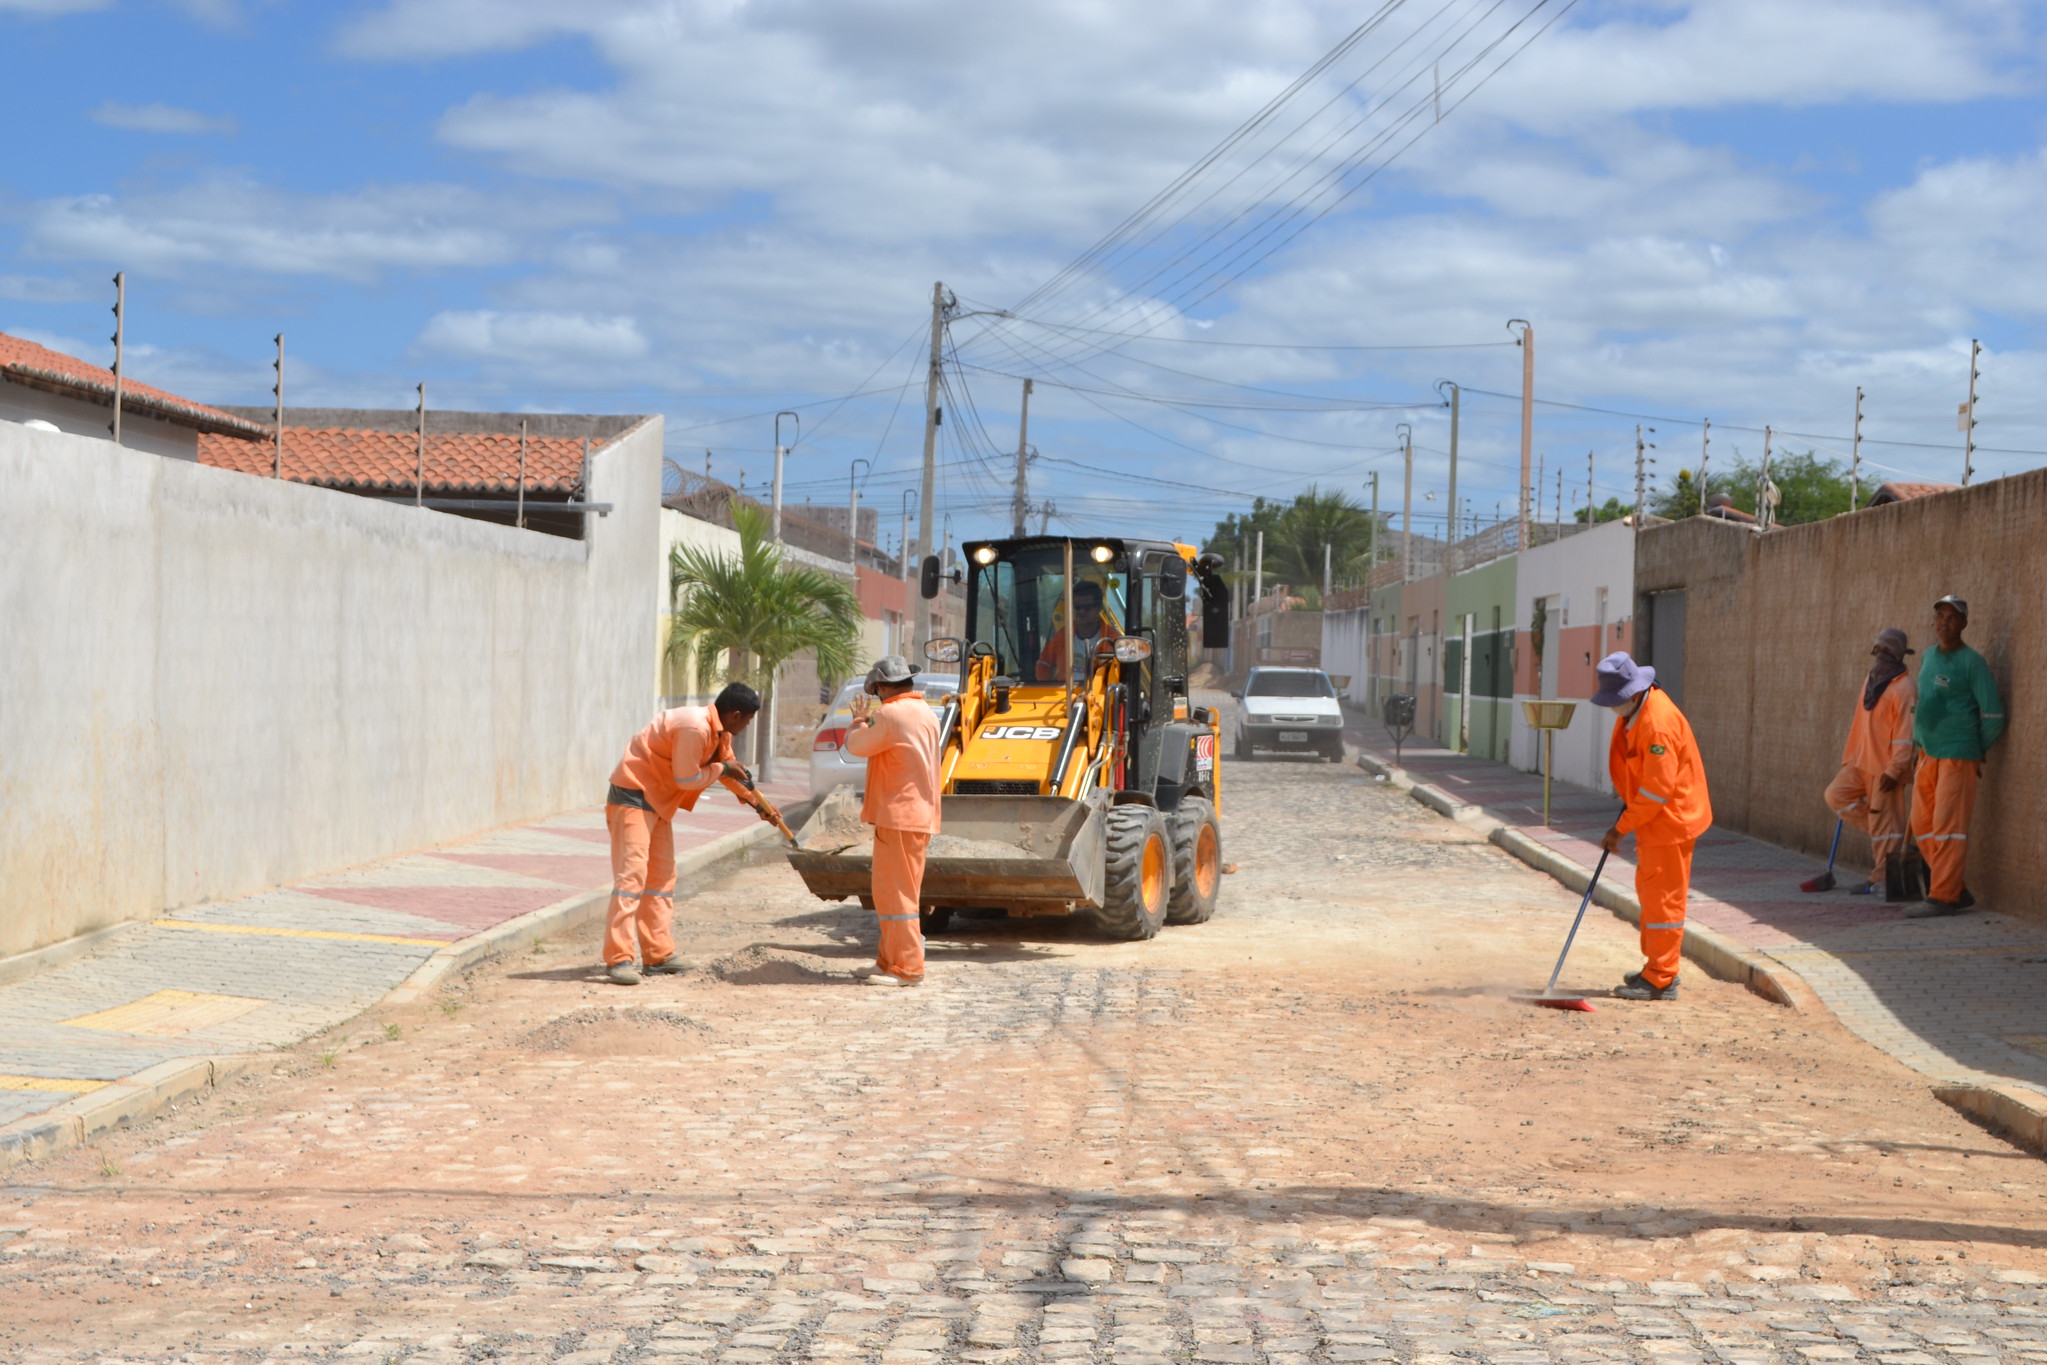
pixel 1961 1000
pixel 267 970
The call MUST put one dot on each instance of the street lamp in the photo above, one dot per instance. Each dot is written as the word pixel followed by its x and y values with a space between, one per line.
pixel 780 451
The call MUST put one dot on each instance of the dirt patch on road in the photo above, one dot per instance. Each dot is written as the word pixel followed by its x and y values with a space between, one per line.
pixel 762 966
pixel 619 1033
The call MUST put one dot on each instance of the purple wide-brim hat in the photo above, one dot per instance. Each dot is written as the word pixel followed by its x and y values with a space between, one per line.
pixel 1620 677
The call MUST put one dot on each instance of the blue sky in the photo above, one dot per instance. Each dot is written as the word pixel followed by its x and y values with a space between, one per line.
pixel 715 209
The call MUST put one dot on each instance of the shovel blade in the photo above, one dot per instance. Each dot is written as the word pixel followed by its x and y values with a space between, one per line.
pixel 1557 1002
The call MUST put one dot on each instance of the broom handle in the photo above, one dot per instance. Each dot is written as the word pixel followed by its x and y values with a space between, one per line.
pixel 1836 848
pixel 1570 937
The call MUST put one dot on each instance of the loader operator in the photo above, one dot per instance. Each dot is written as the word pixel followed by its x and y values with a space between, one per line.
pixel 1872 791
pixel 1654 761
pixel 666 768
pixel 1090 628
pixel 898 736
pixel 1959 718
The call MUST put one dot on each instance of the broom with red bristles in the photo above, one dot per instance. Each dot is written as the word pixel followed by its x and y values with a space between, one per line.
pixel 1825 881
pixel 1549 999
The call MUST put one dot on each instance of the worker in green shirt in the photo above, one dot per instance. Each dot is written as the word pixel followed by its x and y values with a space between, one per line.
pixel 1959 718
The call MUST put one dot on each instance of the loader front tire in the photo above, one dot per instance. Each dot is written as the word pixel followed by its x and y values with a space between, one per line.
pixel 1139 866
pixel 1197 862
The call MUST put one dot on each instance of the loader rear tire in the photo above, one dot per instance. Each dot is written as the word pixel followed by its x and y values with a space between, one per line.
pixel 1197 862
pixel 1139 881
pixel 935 921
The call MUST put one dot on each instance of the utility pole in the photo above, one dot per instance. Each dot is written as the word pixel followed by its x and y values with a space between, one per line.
pixel 1969 417
pixel 775 514
pixel 419 454
pixel 1375 519
pixel 1019 505
pixel 853 516
pixel 933 415
pixel 277 451
pixel 1258 575
pixel 1045 511
pixel 1407 504
pixel 1763 489
pixel 1327 581
pixel 1527 344
pixel 1705 454
pixel 120 333
pixel 1456 396
pixel 1855 458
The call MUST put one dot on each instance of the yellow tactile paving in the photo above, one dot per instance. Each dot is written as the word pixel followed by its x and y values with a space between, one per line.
pixel 168 1014
pixel 295 933
pixel 61 1085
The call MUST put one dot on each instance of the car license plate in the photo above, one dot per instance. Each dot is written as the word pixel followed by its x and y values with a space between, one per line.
pixel 1293 736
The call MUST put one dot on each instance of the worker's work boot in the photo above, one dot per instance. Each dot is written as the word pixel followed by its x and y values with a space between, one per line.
pixel 881 978
pixel 1635 987
pixel 667 966
pixel 622 974
pixel 1933 909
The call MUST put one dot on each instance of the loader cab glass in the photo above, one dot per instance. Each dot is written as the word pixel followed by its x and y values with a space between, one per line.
pixel 1016 604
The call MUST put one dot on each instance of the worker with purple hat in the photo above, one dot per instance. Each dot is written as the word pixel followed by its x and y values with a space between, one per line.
pixel 1654 761
pixel 1959 718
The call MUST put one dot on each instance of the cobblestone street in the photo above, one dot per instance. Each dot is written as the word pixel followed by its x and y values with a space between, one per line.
pixel 1315 1129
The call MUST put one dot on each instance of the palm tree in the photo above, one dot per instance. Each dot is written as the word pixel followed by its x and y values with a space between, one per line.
pixel 743 615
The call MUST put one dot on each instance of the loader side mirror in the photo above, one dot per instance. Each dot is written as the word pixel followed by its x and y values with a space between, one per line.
pixel 1215 614
pixel 1173 579
pixel 927 577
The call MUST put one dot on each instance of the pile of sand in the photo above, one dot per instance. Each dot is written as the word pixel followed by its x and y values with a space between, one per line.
pixel 618 1033
pixel 763 966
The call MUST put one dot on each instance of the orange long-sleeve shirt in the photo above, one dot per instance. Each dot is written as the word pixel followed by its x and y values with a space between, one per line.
pixel 901 749
pixel 1655 766
pixel 675 758
pixel 1880 740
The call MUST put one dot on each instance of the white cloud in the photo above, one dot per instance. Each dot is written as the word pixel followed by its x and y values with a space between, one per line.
pixel 161 118
pixel 534 340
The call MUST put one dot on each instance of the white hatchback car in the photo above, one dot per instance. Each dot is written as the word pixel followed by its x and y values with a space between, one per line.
pixel 1289 710
pixel 830 764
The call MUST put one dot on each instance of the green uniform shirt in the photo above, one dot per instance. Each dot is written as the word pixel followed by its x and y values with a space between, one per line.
pixel 1959 714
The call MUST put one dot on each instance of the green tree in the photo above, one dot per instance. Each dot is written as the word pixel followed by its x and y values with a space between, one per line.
pixel 1678 501
pixel 742 616
pixel 1611 510
pixel 1811 488
pixel 1295 534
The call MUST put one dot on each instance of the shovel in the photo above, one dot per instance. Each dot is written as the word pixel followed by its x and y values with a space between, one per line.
pixel 1549 999
pixel 1825 881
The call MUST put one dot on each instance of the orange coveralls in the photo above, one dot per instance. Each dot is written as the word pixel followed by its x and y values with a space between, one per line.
pixel 671 763
pixel 1879 742
pixel 1052 657
pixel 900 745
pixel 1655 766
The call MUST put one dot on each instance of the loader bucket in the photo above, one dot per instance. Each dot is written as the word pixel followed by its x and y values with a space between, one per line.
pixel 1038 855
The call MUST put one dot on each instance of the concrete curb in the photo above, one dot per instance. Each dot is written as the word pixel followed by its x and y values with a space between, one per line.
pixel 1717 955
pixel 35 961
pixel 2015 1112
pixel 146 1094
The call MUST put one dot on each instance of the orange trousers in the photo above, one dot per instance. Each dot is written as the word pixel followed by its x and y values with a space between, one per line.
pixel 1854 796
pixel 1663 882
pixel 642 886
pixel 1943 799
pixel 898 878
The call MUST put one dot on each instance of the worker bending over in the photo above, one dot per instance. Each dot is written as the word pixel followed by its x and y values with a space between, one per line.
pixel 898 736
pixel 1959 718
pixel 1656 771
pixel 1871 792
pixel 666 768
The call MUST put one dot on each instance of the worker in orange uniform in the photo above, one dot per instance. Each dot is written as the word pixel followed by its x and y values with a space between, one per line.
pixel 1959 718
pixel 1091 627
pixel 895 731
pixel 668 765
pixel 1656 770
pixel 1876 762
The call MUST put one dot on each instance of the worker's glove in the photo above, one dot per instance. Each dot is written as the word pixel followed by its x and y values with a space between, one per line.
pixel 738 772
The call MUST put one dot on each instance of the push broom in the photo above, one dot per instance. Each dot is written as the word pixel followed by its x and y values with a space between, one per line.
pixel 1549 999
pixel 1825 881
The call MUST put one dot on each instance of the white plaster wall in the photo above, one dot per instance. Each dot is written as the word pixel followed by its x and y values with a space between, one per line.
pixel 1574 569
pixel 215 683
pixel 139 431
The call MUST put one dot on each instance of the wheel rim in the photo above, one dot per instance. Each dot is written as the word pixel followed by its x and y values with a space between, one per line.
pixel 1154 873
pixel 1208 861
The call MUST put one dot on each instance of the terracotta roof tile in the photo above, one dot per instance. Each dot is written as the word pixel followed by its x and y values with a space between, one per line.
pixel 40 367
pixel 1906 491
pixel 345 457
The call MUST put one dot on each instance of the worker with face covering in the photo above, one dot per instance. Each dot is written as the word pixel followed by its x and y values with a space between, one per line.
pixel 1959 718
pixel 1872 792
pixel 1654 762
pixel 668 765
pixel 895 731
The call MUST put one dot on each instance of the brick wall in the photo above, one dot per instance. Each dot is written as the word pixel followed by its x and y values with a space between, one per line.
pixel 1777 631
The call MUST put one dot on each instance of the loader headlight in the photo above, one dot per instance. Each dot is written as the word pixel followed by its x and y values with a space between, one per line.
pixel 944 650
pixel 1101 554
pixel 985 555
pixel 1130 649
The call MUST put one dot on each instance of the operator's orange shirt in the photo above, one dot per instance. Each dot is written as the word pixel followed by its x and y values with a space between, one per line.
pixel 901 749
pixel 1880 740
pixel 1052 658
pixel 1654 762
pixel 675 758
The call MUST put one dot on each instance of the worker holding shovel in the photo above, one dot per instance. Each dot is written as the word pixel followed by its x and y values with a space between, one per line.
pixel 895 731
pixel 1655 765
pixel 668 765
pixel 1872 792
